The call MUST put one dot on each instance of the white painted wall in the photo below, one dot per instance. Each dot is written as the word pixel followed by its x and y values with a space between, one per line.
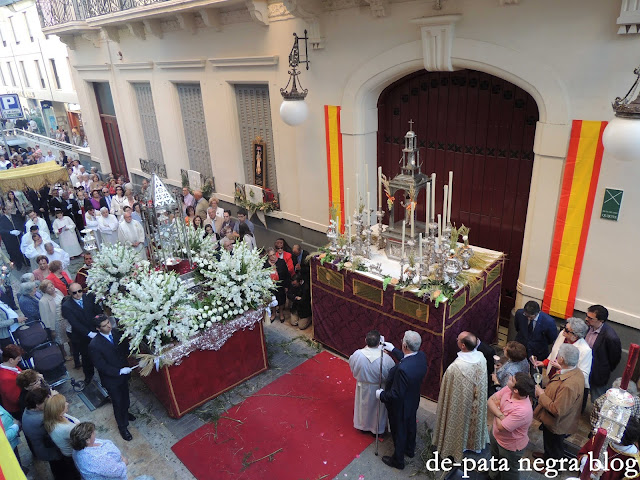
pixel 566 54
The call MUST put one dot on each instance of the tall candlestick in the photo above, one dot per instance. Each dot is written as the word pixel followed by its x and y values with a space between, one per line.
pixel 368 211
pixel 449 199
pixel 379 188
pixel 427 209
pixel 404 224
pixel 412 220
pixel 444 206
pixel 439 226
pixel 433 197
pixel 420 246
pixel 347 213
pixel 634 350
pixel 598 442
pixel 357 194
pixel 349 226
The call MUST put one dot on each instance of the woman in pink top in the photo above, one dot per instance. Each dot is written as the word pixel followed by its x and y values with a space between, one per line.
pixel 42 271
pixel 513 414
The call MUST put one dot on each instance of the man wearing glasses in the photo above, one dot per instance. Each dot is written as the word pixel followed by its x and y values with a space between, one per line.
pixel 79 309
pixel 536 330
pixel 606 347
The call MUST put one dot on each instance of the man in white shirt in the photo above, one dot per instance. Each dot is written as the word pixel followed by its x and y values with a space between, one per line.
pixel 49 157
pixel 56 253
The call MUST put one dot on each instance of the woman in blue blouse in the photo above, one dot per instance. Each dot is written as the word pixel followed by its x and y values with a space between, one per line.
pixel 96 459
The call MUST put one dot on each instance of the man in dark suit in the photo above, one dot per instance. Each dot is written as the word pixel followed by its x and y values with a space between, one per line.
pixel 536 330
pixel 79 310
pixel 606 347
pixel 401 396
pixel 300 263
pixel 105 201
pixel 55 203
pixel 11 233
pixel 488 352
pixel 109 355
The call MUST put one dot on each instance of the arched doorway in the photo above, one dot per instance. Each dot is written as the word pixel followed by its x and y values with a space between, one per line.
pixel 481 127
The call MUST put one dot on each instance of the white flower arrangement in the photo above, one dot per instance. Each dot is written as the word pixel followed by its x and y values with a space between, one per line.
pixel 156 310
pixel 113 267
pixel 203 250
pixel 237 282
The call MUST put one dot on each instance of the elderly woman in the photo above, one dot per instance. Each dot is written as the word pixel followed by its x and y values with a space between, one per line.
pixel 108 226
pixel 516 355
pixel 28 380
pixel 96 458
pixel 58 423
pixel 574 332
pixel 28 301
pixel 59 277
pixel 8 317
pixel 280 275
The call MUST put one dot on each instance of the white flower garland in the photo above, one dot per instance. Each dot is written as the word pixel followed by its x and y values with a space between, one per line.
pixel 112 268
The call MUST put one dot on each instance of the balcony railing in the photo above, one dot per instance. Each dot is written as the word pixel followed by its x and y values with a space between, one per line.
pixel 58 12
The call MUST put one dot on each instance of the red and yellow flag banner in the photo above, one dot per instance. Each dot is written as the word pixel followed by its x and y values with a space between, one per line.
pixel 334 160
pixel 577 194
pixel 9 466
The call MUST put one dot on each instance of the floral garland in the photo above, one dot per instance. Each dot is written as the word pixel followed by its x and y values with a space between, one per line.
pixel 156 310
pixel 112 269
pixel 241 200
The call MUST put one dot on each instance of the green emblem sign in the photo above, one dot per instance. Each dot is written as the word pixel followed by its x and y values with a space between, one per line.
pixel 611 204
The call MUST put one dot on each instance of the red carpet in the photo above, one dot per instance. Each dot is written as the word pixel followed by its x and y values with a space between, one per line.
pixel 313 435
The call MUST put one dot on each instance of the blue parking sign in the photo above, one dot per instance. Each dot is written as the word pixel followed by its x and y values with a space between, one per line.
pixel 10 106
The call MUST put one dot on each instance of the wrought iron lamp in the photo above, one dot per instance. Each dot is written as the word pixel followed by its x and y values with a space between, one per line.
pixel 621 138
pixel 294 110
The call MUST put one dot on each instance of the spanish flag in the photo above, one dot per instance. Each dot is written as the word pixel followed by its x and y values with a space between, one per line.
pixel 579 184
pixel 334 160
pixel 9 466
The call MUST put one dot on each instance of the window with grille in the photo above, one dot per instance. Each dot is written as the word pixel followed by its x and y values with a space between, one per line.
pixel 195 128
pixel 148 121
pixel 24 74
pixel 254 119
pixel 11 76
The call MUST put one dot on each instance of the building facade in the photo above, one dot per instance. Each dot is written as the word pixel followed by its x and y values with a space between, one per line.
pixel 492 86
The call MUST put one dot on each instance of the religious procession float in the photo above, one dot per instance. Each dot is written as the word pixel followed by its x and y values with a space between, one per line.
pixel 404 275
pixel 189 310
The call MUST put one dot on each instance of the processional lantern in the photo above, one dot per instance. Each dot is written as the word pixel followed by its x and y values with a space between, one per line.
pixel 89 240
pixel 165 227
pixel 410 181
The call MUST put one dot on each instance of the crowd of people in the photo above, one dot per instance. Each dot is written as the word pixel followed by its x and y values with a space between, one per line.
pixel 577 362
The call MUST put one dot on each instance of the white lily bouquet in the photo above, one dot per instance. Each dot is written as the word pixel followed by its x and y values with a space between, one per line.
pixel 113 267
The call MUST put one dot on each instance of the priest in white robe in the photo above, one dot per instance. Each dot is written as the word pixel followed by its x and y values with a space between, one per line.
pixel 461 419
pixel 53 252
pixel 108 227
pixel 365 366
pixel 131 233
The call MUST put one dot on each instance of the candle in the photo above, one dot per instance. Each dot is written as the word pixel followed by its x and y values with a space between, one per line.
pixel 433 197
pixel 412 220
pixel 404 224
pixel 347 212
pixel 439 226
pixel 420 246
pixel 634 350
pixel 427 209
pixel 449 199
pixel 379 188
pixel 444 206
pixel 598 442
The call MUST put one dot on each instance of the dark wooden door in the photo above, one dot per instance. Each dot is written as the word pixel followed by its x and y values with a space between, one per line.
pixel 114 145
pixel 481 127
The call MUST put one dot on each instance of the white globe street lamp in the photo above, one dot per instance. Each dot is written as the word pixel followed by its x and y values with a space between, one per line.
pixel 294 110
pixel 621 138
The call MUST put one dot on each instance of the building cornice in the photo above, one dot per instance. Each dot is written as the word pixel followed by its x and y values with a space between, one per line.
pixel 230 62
